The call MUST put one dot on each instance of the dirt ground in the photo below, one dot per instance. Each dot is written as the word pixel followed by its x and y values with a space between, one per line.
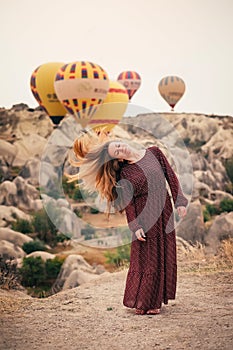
pixel 92 317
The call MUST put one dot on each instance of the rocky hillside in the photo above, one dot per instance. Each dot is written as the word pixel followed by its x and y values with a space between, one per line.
pixel 200 147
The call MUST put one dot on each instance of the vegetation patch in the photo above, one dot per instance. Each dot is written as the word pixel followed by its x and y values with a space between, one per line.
pixel 225 206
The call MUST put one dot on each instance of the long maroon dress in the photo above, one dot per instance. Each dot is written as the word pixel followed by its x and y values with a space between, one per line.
pixel 152 273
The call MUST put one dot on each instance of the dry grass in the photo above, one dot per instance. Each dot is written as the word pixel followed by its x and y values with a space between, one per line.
pixel 225 253
pixel 193 258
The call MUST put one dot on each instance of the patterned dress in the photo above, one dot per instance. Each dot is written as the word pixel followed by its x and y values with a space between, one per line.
pixel 152 273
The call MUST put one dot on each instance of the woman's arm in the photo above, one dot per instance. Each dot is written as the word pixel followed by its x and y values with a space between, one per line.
pixel 127 193
pixel 178 197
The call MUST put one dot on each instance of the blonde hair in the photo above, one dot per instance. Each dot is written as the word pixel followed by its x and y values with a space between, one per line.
pixel 97 170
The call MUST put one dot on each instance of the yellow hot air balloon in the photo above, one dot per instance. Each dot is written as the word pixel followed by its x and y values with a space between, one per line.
pixel 131 81
pixel 42 87
pixel 81 87
pixel 171 88
pixel 112 110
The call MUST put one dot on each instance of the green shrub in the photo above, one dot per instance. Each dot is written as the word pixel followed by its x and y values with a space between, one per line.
pixel 61 237
pixel 80 194
pixel 120 257
pixel 186 141
pixel 44 227
pixel 229 168
pixel 23 226
pixel 33 271
pixel 206 216
pixel 226 205
pixel 77 195
pixel 78 212
pixel 52 267
pixel 68 187
pixel 37 273
pixel 33 246
pixel 212 209
pixel 94 210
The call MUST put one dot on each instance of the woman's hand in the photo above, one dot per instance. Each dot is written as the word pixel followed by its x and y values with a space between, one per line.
pixel 140 235
pixel 181 212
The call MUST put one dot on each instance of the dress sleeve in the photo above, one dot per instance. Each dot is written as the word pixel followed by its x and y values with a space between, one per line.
pixel 128 202
pixel 177 194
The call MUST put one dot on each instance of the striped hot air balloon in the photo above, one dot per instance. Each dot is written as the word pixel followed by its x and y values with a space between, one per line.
pixel 131 81
pixel 171 88
pixel 81 87
pixel 112 110
pixel 42 87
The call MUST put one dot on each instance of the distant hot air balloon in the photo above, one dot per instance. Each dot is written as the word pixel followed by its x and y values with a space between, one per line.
pixel 42 87
pixel 81 87
pixel 131 81
pixel 171 88
pixel 112 110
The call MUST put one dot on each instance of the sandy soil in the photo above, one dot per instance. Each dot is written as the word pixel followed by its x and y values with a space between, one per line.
pixel 92 317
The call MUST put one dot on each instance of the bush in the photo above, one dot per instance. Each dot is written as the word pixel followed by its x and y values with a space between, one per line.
pixel 61 237
pixel 212 209
pixel 94 210
pixel 44 227
pixel 77 195
pixel 120 257
pixel 33 272
pixel 206 215
pixel 33 246
pixel 229 168
pixel 37 273
pixel 52 267
pixel 226 205
pixel 23 226
pixel 9 275
pixel 81 194
pixel 68 187
pixel 78 213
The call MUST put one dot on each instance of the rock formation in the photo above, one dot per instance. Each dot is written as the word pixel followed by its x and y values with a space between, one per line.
pixel 33 157
pixel 74 272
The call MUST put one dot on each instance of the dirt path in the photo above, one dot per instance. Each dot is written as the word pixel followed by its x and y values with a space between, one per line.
pixel 92 317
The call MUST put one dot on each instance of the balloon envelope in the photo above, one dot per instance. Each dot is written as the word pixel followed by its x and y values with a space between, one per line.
pixel 42 87
pixel 113 108
pixel 171 88
pixel 81 87
pixel 131 81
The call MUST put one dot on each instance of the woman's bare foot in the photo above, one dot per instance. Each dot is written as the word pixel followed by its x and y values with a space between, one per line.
pixel 140 312
pixel 153 312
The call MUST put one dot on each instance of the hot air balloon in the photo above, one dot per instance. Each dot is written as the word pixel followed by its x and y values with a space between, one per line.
pixel 112 110
pixel 131 81
pixel 171 88
pixel 81 87
pixel 42 87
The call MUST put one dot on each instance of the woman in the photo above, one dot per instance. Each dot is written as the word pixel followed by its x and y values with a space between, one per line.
pixel 135 180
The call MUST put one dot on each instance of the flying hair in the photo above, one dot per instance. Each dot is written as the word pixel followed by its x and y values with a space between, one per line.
pixel 97 170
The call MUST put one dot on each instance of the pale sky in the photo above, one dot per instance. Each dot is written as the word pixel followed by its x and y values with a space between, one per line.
pixel 192 39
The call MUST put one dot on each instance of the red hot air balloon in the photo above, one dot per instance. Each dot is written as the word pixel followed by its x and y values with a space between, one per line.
pixel 131 81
